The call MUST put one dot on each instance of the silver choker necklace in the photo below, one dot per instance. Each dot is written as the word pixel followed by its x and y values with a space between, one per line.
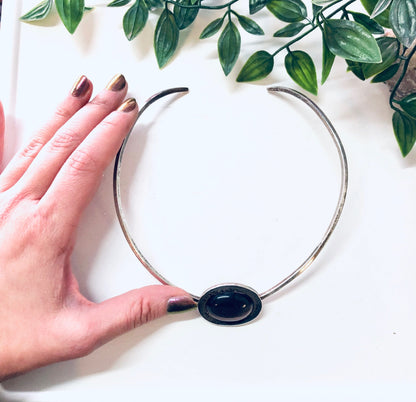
pixel 232 303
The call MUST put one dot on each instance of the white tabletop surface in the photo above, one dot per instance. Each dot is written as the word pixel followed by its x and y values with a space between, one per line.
pixel 231 184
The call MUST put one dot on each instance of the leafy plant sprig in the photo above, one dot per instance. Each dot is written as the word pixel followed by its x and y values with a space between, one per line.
pixel 357 37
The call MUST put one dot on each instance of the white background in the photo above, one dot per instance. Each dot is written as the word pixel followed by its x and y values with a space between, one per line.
pixel 230 183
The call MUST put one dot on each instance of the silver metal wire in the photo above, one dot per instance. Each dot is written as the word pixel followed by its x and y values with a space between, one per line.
pixel 309 260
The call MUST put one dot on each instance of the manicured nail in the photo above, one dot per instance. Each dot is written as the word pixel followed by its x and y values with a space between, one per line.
pixel 80 87
pixel 128 105
pixel 180 303
pixel 117 83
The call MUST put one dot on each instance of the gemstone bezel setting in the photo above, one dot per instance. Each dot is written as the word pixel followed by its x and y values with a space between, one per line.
pixel 230 304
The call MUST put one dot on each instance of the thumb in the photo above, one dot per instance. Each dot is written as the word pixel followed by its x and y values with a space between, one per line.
pixel 120 314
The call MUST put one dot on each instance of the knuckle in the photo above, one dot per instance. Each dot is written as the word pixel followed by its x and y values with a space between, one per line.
pixel 14 197
pixel 82 161
pixel 34 227
pixel 40 229
pixel 30 226
pixel 108 124
pixel 102 101
pixel 139 313
pixel 8 206
pixel 40 223
pixel 32 149
pixel 62 113
pixel 64 140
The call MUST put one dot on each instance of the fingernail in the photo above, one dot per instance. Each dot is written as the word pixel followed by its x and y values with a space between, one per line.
pixel 117 83
pixel 80 87
pixel 180 303
pixel 128 105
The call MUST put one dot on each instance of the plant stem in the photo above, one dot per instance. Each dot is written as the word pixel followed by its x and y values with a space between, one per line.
pixel 314 26
pixel 220 7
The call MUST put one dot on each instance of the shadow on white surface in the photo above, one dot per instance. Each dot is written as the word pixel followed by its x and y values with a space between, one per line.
pixel 4 398
pixel 103 359
pixel 85 31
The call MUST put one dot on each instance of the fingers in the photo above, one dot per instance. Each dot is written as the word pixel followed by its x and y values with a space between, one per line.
pixel 2 124
pixel 42 171
pixel 120 314
pixel 81 174
pixel 75 100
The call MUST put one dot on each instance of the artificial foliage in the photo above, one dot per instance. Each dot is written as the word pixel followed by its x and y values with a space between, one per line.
pixel 357 37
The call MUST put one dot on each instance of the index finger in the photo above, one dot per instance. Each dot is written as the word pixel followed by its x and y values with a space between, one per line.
pixel 78 179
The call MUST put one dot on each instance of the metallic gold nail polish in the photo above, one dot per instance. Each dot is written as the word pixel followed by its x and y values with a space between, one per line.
pixel 128 105
pixel 117 83
pixel 80 87
pixel 180 303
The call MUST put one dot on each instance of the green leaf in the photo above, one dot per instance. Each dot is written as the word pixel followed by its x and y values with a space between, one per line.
pixel 70 12
pixel 327 61
pixel 184 16
pixel 315 10
pixel 212 28
pixel 350 40
pixel 118 3
pixel 389 48
pixel 88 8
pixel 166 37
pixel 135 19
pixel 288 10
pixel 229 44
pixel 356 68
pixel 387 74
pixel 290 30
pixel 363 19
pixel 382 18
pixel 321 3
pixel 249 25
pixel 151 4
pixel 380 6
pixel 300 67
pixel 256 5
pixel 403 20
pixel 408 104
pixel 38 12
pixel 258 66
pixel 405 131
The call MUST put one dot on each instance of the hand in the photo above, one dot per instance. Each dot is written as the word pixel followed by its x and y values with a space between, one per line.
pixel 44 189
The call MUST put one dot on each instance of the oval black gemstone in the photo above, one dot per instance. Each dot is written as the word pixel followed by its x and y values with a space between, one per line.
pixel 229 306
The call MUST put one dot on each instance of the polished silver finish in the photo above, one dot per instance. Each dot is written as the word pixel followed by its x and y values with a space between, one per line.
pixel 117 194
pixel 309 260
pixel 342 192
